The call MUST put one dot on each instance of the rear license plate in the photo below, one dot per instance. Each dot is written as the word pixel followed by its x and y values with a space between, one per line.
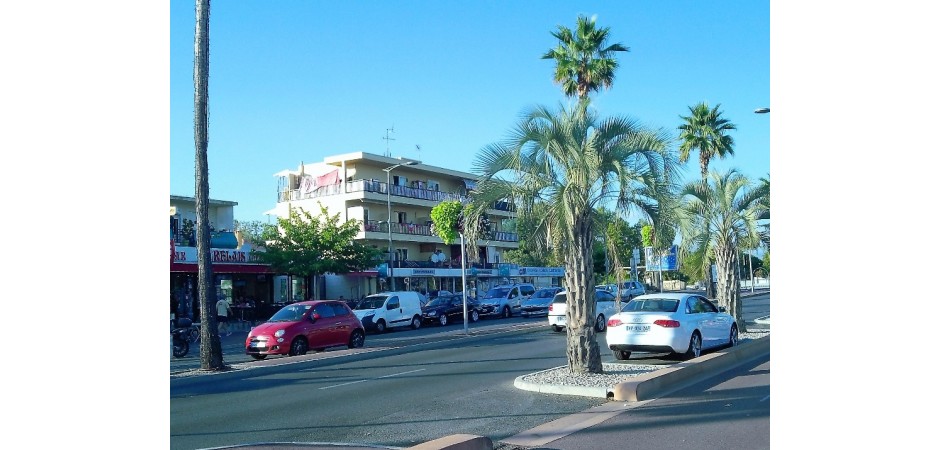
pixel 638 328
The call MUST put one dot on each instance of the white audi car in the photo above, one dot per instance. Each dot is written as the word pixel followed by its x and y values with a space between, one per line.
pixel 679 323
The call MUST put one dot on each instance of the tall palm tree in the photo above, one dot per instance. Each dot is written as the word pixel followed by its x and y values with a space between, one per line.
pixel 719 216
pixel 573 162
pixel 210 350
pixel 706 131
pixel 583 61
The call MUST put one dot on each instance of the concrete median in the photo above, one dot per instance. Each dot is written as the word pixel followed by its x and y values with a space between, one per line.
pixel 663 381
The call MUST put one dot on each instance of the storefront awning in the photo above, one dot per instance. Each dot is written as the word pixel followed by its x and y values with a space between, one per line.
pixel 223 268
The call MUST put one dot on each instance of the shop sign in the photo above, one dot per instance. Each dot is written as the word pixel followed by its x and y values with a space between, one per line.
pixel 542 271
pixel 219 256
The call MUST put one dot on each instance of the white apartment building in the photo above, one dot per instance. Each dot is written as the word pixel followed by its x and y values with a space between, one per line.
pixel 393 198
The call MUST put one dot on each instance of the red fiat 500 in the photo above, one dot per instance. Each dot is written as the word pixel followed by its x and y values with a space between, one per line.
pixel 301 326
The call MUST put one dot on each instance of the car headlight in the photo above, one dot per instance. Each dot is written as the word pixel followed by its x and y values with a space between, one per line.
pixel 432 313
pixel 279 333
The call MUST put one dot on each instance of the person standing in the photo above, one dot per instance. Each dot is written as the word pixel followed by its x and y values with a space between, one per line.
pixel 222 312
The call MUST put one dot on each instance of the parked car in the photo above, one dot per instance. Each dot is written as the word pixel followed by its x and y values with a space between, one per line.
pixel 505 300
pixel 605 306
pixel 448 308
pixel 380 312
pixel 537 304
pixel 676 323
pixel 298 327
pixel 631 289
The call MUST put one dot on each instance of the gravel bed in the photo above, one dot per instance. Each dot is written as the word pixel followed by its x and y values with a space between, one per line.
pixel 614 373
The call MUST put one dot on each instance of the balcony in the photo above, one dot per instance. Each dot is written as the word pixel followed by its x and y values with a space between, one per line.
pixel 382 188
pixel 424 230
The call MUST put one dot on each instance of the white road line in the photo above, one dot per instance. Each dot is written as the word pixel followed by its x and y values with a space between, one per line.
pixel 363 381
pixel 765 398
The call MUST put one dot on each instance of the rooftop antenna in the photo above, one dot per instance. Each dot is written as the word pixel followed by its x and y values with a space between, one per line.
pixel 418 147
pixel 387 131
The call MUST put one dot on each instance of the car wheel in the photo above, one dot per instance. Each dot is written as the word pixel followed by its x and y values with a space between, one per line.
pixel 556 328
pixel 600 324
pixel 259 357
pixel 298 346
pixel 621 355
pixel 416 322
pixel 380 326
pixel 357 339
pixel 695 346
pixel 180 348
pixel 474 316
pixel 443 319
pixel 507 313
pixel 733 338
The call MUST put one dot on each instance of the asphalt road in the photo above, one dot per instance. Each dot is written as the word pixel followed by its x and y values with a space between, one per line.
pixel 436 382
pixel 728 411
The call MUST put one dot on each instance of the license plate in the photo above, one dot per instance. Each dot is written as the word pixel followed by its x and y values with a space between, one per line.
pixel 638 328
pixel 256 344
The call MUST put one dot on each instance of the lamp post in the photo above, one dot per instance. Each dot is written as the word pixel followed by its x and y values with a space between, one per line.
pixel 388 199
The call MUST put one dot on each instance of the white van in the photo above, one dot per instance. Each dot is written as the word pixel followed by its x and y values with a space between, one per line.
pixel 386 310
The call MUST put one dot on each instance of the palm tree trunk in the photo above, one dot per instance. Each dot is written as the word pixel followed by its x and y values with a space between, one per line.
pixel 729 284
pixel 583 352
pixel 210 348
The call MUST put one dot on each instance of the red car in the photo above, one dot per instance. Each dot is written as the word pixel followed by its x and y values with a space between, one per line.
pixel 301 326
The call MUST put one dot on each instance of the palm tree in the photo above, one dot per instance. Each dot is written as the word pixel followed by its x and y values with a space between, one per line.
pixel 706 131
pixel 572 162
pixel 583 63
pixel 719 216
pixel 210 350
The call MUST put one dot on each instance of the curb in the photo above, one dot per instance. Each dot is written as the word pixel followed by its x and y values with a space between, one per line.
pixel 652 384
pixel 666 380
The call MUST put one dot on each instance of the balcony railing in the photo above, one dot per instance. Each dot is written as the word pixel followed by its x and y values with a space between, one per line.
pixel 424 230
pixel 382 188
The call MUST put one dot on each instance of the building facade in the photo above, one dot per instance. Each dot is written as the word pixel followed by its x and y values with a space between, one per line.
pixel 392 199
pixel 238 276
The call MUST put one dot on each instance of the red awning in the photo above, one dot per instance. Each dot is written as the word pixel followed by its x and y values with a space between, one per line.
pixel 223 268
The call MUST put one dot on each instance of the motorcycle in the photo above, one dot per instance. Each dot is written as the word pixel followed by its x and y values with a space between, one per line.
pixel 181 335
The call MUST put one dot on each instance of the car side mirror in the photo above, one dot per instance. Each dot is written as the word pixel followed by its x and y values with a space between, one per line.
pixel 721 309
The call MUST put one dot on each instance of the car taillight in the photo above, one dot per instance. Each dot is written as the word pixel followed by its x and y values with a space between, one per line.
pixel 614 322
pixel 667 323
pixel 551 307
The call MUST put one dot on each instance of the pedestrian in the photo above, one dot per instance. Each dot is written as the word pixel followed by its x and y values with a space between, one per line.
pixel 222 312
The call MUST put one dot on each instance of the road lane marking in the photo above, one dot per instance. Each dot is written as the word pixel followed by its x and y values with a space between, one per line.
pixel 765 398
pixel 373 379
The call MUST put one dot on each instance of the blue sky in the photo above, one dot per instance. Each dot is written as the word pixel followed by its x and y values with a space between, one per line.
pixel 294 81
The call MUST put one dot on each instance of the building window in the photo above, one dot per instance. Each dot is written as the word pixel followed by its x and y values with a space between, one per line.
pixel 365 214
pixel 402 216
pixel 434 185
pixel 402 254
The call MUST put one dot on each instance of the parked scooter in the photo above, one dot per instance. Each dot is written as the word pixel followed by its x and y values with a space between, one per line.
pixel 180 335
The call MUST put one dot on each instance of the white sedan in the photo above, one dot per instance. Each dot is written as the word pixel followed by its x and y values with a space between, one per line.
pixel 681 323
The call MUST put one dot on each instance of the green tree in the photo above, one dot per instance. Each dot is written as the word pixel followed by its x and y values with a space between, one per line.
pixel 706 131
pixel 573 162
pixel 720 215
pixel 535 244
pixel 253 230
pixel 310 246
pixel 583 60
pixel 210 347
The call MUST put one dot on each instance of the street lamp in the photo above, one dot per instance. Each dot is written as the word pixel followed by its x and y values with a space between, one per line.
pixel 388 199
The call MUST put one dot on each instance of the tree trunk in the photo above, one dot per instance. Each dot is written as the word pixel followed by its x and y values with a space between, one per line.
pixel 729 284
pixel 210 347
pixel 582 349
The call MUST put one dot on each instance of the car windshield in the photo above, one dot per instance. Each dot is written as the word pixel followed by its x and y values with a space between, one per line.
pixel 544 293
pixel 291 313
pixel 497 292
pixel 438 301
pixel 372 302
pixel 653 305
